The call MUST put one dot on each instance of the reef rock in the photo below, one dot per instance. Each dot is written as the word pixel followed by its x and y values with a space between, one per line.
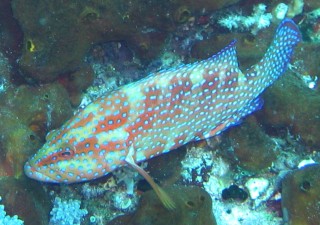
pixel 57 34
pixel 193 206
pixel 290 103
pixel 301 196
pixel 253 149
pixel 27 113
pixel 26 199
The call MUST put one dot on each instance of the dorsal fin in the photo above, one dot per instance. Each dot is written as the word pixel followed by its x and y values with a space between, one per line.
pixel 224 59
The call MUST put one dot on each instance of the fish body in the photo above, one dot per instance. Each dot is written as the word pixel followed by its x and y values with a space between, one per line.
pixel 159 113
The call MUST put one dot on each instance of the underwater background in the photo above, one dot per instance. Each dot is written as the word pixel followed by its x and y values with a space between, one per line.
pixel 56 57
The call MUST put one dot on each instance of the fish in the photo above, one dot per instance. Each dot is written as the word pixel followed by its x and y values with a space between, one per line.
pixel 159 113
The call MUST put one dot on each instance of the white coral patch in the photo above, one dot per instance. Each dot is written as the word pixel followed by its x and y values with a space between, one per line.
pixel 257 186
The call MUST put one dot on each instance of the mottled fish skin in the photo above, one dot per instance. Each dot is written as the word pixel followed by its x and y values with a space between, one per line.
pixel 159 113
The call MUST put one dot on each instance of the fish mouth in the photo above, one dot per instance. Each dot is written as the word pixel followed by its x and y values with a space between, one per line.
pixel 33 173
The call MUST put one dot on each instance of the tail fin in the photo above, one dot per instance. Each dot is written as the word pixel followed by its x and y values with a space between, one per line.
pixel 278 55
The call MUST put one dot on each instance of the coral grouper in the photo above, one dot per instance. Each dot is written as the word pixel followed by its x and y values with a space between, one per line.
pixel 159 113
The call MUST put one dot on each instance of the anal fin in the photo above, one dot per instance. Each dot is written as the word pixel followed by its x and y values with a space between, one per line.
pixel 255 105
pixel 215 131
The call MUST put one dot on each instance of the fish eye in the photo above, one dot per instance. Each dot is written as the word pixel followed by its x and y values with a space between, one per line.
pixel 66 153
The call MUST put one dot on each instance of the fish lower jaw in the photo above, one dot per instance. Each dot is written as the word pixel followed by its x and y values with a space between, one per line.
pixel 34 174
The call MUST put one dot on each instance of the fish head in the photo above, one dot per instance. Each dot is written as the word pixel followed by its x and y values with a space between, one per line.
pixel 62 159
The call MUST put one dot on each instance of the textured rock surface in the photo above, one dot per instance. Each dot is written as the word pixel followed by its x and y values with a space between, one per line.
pixel 301 196
pixel 253 149
pixel 290 103
pixel 193 206
pixel 57 34
pixel 26 199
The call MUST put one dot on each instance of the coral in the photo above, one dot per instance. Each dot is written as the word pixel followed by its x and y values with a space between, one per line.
pixel 295 8
pixel 76 82
pixel 194 204
pixel 89 191
pixel 258 20
pixel 129 177
pixel 182 14
pixel 11 34
pixel 257 186
pixel 66 212
pixel 253 149
pixel 68 33
pixel 300 196
pixel 25 199
pixel 312 25
pixel 23 128
pixel 291 105
pixel 123 201
pixel 27 113
pixel 6 219
pixel 233 21
pixel 5 70
pixel 247 51
pixel 280 11
pixel 196 161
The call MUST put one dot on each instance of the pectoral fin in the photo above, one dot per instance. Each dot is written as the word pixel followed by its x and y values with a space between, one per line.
pixel 164 198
